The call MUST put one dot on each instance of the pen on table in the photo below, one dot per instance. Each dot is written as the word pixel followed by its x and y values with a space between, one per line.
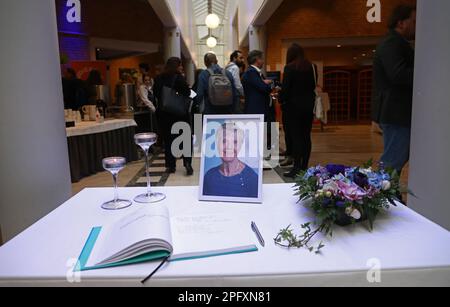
pixel 258 234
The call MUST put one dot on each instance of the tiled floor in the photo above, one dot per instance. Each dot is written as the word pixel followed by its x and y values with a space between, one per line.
pixel 349 145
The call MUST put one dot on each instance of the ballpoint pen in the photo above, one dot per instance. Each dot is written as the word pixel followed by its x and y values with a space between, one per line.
pixel 258 234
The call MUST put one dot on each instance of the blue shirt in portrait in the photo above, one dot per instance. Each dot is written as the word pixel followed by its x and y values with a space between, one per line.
pixel 243 185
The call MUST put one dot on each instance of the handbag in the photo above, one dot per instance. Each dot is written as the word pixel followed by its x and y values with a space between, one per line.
pixel 318 105
pixel 173 102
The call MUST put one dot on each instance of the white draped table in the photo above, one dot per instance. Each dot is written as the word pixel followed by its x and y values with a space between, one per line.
pixel 90 142
pixel 408 249
pixel 91 127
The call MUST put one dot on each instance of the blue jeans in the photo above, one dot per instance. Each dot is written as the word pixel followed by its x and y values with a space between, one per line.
pixel 396 146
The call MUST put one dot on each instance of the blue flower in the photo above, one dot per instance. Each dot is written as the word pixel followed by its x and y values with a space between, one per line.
pixel 326 203
pixel 340 204
pixel 335 169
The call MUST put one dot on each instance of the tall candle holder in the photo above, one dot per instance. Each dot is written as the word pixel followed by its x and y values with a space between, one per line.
pixel 146 141
pixel 114 165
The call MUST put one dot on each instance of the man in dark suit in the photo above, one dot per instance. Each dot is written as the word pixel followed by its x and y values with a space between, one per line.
pixel 393 95
pixel 257 90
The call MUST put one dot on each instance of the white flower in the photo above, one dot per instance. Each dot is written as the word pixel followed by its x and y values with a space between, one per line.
pixel 366 171
pixel 328 194
pixel 331 186
pixel 354 213
pixel 386 185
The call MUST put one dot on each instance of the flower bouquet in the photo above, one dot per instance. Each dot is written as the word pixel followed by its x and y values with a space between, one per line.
pixel 341 195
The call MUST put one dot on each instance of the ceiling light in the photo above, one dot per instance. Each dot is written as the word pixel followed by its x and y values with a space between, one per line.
pixel 211 42
pixel 212 21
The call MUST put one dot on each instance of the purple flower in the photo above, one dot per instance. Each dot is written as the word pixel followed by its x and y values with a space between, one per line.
pixel 340 204
pixel 351 191
pixel 361 180
pixel 335 169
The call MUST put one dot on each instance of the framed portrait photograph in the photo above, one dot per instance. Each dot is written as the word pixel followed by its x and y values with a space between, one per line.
pixel 232 158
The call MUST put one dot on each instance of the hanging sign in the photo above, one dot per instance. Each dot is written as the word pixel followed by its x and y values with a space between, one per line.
pixel 74 12
pixel 374 13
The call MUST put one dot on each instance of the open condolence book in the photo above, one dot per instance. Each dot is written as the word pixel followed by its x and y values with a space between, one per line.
pixel 150 234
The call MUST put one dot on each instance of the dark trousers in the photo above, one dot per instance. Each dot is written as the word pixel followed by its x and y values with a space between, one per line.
pixel 396 146
pixel 166 121
pixel 300 127
pixel 287 134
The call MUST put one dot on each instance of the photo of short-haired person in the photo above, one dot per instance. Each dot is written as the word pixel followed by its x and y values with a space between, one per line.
pixel 233 178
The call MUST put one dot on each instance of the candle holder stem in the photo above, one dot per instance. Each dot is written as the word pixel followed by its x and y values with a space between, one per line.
pixel 147 173
pixel 116 188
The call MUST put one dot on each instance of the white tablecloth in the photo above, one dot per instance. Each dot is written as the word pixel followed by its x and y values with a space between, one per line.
pixel 411 250
pixel 85 128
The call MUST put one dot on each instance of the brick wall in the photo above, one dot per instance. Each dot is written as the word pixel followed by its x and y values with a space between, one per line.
pixel 305 19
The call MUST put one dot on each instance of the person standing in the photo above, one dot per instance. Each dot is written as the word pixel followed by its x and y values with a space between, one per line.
pixel 145 93
pixel 172 77
pixel 394 77
pixel 298 96
pixel 210 92
pixel 73 90
pixel 94 78
pixel 257 91
pixel 147 99
pixel 144 69
pixel 234 67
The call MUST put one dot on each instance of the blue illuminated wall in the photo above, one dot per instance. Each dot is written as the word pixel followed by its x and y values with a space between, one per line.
pixel 73 37
pixel 65 26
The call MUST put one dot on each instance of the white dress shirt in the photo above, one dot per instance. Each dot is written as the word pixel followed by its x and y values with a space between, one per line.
pixel 143 97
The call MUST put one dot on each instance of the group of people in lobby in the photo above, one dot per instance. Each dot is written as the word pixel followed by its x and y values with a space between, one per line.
pixel 392 101
pixel 250 92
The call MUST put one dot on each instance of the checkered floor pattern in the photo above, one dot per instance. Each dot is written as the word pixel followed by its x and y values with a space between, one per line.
pixel 158 176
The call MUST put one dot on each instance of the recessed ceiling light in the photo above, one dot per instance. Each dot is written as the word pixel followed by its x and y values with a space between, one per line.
pixel 339 46
pixel 363 54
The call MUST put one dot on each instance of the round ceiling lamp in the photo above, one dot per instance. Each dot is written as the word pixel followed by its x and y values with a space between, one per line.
pixel 212 21
pixel 211 42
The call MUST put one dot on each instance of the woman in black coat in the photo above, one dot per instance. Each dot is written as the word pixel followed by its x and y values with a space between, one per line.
pixel 298 97
pixel 172 76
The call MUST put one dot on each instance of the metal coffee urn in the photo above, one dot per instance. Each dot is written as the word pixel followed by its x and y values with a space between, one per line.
pixel 126 98
pixel 103 99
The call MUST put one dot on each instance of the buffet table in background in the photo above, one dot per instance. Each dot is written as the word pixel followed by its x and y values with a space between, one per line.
pixel 90 142
pixel 408 249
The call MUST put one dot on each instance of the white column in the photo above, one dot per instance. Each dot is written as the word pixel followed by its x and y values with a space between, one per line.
pixel 258 40
pixel 190 72
pixel 256 36
pixel 172 43
pixel 430 147
pixel 34 167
